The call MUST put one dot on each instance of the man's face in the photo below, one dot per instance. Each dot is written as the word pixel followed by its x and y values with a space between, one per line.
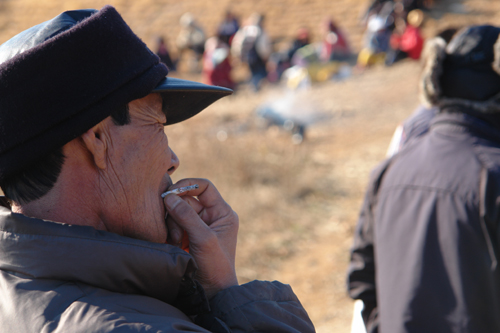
pixel 138 170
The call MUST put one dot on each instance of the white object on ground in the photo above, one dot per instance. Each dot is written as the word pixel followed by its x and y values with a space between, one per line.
pixel 357 325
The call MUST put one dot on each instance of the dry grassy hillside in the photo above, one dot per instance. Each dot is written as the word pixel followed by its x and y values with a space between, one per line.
pixel 151 18
pixel 297 204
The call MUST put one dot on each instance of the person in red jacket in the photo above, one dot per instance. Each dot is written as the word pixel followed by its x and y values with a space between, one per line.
pixel 335 45
pixel 217 67
pixel 410 43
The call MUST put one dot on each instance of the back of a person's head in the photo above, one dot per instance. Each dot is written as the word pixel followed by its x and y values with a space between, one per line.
pixel 303 34
pixel 187 20
pixel 256 19
pixel 464 72
pixel 447 34
pixel 415 18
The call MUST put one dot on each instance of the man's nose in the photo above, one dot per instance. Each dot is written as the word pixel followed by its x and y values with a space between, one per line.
pixel 174 161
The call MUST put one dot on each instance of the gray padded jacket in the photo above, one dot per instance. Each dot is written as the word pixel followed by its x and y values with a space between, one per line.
pixel 426 249
pixel 63 278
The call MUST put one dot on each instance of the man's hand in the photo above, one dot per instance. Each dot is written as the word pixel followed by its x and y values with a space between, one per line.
pixel 212 228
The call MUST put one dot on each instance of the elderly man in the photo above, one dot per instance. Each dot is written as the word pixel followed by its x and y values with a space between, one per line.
pixel 84 243
pixel 425 255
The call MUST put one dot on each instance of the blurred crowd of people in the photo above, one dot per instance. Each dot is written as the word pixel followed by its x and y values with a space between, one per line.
pixel 248 43
pixel 296 61
pixel 392 33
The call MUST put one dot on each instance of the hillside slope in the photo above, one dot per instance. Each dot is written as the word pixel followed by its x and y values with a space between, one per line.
pixel 151 18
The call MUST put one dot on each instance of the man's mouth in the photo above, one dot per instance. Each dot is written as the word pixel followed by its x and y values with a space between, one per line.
pixel 166 184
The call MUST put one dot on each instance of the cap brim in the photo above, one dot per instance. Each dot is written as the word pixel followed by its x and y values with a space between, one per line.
pixel 183 99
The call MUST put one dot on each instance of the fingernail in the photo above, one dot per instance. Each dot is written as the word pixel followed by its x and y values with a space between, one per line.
pixel 171 200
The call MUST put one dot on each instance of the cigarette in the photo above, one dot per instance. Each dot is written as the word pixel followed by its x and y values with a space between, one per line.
pixel 180 190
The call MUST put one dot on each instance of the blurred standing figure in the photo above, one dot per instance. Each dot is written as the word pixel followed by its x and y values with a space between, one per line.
pixel 216 66
pixel 425 254
pixel 251 45
pixel 164 54
pixel 335 45
pixel 228 27
pixel 302 38
pixel 191 37
pixel 410 42
pixel 281 61
pixel 377 35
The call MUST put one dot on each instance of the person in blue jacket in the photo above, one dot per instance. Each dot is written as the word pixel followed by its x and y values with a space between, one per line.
pixel 426 248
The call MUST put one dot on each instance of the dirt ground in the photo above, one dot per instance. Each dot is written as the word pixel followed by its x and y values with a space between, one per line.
pixel 297 204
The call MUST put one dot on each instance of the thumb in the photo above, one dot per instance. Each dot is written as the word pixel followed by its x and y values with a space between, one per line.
pixel 186 217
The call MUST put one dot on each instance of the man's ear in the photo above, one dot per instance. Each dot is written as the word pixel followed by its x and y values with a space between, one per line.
pixel 96 146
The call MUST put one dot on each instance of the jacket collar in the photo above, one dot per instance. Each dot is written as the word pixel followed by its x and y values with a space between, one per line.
pixel 41 249
pixel 479 127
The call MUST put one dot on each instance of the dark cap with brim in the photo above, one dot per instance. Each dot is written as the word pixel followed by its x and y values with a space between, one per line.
pixel 62 77
pixel 183 99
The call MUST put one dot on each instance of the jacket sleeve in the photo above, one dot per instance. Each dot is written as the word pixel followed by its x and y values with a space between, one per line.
pixel 361 271
pixel 257 306
pixel 489 208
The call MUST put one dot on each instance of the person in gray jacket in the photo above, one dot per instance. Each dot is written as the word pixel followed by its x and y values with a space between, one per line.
pixel 426 248
pixel 88 243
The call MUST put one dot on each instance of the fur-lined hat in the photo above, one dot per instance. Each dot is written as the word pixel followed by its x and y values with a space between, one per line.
pixel 464 72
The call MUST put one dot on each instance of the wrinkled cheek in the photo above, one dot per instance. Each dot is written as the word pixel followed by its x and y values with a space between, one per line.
pixel 161 229
pixel 162 151
pixel 149 221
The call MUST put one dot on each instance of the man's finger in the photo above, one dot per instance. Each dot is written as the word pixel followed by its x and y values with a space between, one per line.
pixel 207 193
pixel 175 232
pixel 186 217
pixel 207 215
pixel 195 204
